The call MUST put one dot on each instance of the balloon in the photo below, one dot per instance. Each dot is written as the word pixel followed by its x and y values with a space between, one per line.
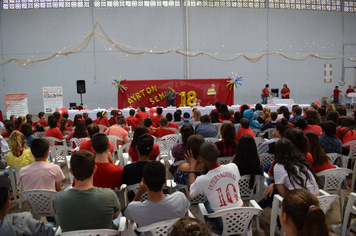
pixel 153 110
pixel 192 95
pixel 183 99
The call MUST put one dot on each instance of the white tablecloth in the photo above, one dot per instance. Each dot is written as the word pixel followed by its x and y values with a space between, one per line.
pixel 280 101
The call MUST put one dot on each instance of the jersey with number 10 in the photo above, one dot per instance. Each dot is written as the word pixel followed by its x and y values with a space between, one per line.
pixel 220 185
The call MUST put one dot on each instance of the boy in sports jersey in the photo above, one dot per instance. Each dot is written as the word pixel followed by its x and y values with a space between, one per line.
pixel 219 185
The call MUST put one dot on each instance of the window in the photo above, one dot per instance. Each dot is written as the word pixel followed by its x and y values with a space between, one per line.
pixel 36 4
pixel 136 3
pixel 322 5
pixel 349 6
pixel 226 3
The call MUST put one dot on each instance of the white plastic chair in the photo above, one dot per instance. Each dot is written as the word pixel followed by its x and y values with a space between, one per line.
pixel 91 232
pixel 155 139
pixel 235 220
pixel 227 121
pixel 224 160
pixel 269 132
pixel 256 132
pixel 201 198
pixel 211 140
pixel 350 209
pixel 156 229
pixel 334 156
pixel 77 141
pixel 15 186
pixel 59 154
pixel 352 153
pixel 165 148
pixel 266 158
pixel 258 141
pixel 52 141
pixel 113 139
pixel 172 137
pixel 123 155
pixel 176 131
pixel 218 126
pixel 38 134
pixel 134 188
pixel 102 128
pixel 41 202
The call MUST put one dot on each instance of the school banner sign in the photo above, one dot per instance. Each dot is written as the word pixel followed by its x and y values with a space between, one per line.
pixel 191 92
pixel 16 104
pixel 52 98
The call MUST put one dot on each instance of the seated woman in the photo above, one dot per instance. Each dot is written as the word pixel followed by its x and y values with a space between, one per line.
pixel 9 127
pixel 347 133
pixel 224 113
pixel 321 161
pixel 227 146
pixel 26 129
pixel 179 149
pixel 103 120
pixel 79 132
pixel 301 214
pixel 215 117
pixel 140 130
pixel 53 131
pixel 19 121
pixel 246 158
pixel 19 154
pixel 193 144
pixel 64 126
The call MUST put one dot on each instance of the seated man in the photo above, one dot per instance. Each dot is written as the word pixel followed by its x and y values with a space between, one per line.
pixel 270 124
pixel 162 130
pixel 18 223
pixel 87 145
pixel 158 207
pixel 131 120
pixel 219 185
pixel 41 174
pixel 206 129
pixel 119 131
pixel 147 122
pixel 328 140
pixel 107 175
pixel 85 206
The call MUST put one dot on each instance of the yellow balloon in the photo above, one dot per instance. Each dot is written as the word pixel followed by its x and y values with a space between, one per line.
pixel 191 96
pixel 183 99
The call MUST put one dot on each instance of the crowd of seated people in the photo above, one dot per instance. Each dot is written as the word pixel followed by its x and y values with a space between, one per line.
pixel 300 146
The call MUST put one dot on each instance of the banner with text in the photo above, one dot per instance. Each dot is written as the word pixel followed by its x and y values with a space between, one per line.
pixel 16 104
pixel 52 99
pixel 191 92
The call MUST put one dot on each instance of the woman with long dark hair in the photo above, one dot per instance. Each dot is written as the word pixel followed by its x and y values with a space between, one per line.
pixel 224 112
pixel 140 130
pixel 347 133
pixel 227 146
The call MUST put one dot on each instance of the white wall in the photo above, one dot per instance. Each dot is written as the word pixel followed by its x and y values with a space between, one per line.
pixel 39 33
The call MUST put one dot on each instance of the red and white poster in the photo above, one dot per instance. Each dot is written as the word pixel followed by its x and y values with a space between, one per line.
pixel 192 92
pixel 16 104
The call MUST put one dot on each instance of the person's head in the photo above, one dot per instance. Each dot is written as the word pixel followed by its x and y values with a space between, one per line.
pixel 258 107
pixel 194 142
pixel 228 133
pixel 20 120
pixel 300 122
pixel 142 108
pixel 350 87
pixel 144 145
pixel 159 110
pixel 82 165
pixel 321 111
pixel 281 128
pixel 333 116
pixel 57 115
pixel 301 211
pixel 215 117
pixel 52 122
pixel 5 199
pixel 17 142
pixel 40 148
pixel 177 116
pixel 80 129
pixel 154 176
pixel 121 122
pixel 88 121
pixel 245 123
pixel 231 111
pixel 169 117
pixel 93 129
pixel 273 115
pixel 98 114
pixel 179 111
pixel 237 117
pixel 186 116
pixel 329 128
pixel 217 105
pixel 205 119
pixel 312 117
pixel 140 130
pixel 9 126
pixel 147 122
pixel 65 115
pixel 314 106
pixel 85 115
pixel 76 117
pixel 63 125
pixel 197 115
pixel 168 87
pixel 41 115
pixel 29 118
pixel 243 108
pixel 298 138
pixel 100 143
pixel 113 113
pixel 296 110
pixel 341 110
pixel 13 118
pixel 163 121
pixel 26 129
pixel 186 131
pixel 188 226
pixel 132 112
pixel 336 86
pixel 285 86
pixel 209 152
pixel 305 109
pixel 224 111
pixel 330 107
pixel 267 85
pixel 103 114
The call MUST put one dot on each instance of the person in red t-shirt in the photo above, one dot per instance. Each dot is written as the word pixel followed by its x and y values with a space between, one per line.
pixel 336 95
pixel 156 117
pixel 107 175
pixel 149 125
pixel 104 119
pixel 162 130
pixel 350 90
pixel 265 93
pixel 53 131
pixel 170 123
pixel 140 130
pixel 244 129
pixel 141 114
pixel 113 119
pixel 285 92
pixel 131 120
pixel 42 117
pixel 96 121
pixel 86 144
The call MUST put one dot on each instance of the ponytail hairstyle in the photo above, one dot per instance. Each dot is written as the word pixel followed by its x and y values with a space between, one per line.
pixel 282 126
pixel 19 121
pixel 9 126
pixel 62 126
pixel 102 115
pixel 80 129
pixel 349 124
pixel 17 142
pixel 76 117
pixel 186 131
pixel 298 138
pixel 303 208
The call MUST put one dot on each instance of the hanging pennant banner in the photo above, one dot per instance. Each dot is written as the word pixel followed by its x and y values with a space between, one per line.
pixel 16 104
pixel 52 99
pixel 191 92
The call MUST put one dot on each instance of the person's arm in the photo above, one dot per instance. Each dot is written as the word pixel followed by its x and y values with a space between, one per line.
pixel 58 186
pixel 281 189
pixel 192 166
pixel 141 190
pixel 116 214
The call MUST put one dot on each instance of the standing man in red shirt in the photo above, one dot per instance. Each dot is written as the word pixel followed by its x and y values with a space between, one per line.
pixel 285 92
pixel 265 94
pixel 336 95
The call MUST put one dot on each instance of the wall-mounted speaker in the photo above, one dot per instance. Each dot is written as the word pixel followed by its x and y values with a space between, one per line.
pixel 80 86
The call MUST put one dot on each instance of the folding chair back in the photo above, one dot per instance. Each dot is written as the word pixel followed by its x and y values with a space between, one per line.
pixel 134 188
pixel 350 209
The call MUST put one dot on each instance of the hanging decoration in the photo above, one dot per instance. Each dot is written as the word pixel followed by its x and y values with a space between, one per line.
pixel 118 85
pixel 234 81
